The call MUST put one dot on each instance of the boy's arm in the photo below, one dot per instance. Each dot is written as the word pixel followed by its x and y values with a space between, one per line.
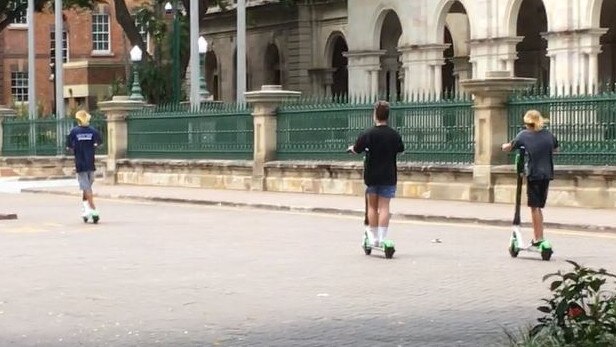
pixel 400 144
pixel 69 141
pixel 98 139
pixel 359 146
pixel 513 144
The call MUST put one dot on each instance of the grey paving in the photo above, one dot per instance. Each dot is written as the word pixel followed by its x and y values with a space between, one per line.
pixel 188 275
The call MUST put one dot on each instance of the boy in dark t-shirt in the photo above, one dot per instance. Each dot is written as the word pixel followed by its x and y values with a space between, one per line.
pixel 539 146
pixel 381 145
pixel 83 140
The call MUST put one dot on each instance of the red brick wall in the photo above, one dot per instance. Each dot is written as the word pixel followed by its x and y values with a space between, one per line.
pixel 14 54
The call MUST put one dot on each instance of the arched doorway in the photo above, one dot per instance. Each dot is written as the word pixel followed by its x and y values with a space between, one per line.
pixel 607 63
pixel 272 65
pixel 532 51
pixel 456 35
pixel 449 82
pixel 340 86
pixel 389 81
pixel 212 77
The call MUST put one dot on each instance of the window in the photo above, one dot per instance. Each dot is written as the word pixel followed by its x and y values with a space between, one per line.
pixel 100 32
pixel 52 52
pixel 19 86
pixel 21 16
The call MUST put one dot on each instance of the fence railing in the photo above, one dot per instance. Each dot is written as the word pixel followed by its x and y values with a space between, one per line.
pixel 585 125
pixel 39 137
pixel 175 132
pixel 434 131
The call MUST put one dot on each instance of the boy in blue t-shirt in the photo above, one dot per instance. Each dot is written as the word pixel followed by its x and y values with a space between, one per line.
pixel 83 141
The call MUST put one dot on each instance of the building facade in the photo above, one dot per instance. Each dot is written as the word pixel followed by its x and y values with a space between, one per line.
pixel 402 47
pixel 95 55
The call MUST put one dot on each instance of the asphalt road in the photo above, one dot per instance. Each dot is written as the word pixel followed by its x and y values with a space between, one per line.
pixel 182 275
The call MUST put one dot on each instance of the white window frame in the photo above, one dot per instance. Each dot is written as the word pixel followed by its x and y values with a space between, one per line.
pixel 65 44
pixel 23 88
pixel 95 49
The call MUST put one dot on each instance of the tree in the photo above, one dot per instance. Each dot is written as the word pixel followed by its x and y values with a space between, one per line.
pixel 12 9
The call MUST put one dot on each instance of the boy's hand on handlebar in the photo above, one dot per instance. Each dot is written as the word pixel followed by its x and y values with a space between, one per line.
pixel 351 149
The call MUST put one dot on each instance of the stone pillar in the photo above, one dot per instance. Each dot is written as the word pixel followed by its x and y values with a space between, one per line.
pixel 4 113
pixel 493 54
pixel 364 67
pixel 423 67
pixel 116 111
pixel 265 103
pixel 491 127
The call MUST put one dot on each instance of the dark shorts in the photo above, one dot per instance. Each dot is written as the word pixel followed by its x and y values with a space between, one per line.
pixel 537 193
pixel 382 191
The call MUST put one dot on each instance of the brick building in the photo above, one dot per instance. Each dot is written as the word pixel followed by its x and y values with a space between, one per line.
pixel 95 53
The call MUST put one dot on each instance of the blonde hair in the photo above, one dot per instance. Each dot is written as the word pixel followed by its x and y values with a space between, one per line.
pixel 534 120
pixel 83 118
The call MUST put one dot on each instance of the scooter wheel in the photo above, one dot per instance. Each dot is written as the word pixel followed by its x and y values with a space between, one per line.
pixel 389 253
pixel 367 250
pixel 95 219
pixel 85 219
pixel 546 254
pixel 513 251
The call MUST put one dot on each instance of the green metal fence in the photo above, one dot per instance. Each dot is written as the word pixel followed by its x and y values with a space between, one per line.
pixel 433 130
pixel 175 132
pixel 26 137
pixel 585 125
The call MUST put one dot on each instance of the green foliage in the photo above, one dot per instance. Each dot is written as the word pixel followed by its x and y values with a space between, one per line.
pixel 580 312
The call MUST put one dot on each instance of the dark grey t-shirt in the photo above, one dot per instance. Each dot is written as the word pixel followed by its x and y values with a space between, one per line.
pixel 539 147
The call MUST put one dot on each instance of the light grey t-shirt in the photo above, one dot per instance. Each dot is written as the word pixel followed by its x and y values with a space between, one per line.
pixel 539 147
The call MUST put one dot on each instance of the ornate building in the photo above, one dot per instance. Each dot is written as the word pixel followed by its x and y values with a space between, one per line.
pixel 399 47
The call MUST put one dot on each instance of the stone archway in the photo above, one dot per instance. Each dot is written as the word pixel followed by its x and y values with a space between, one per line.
pixel 339 64
pixel 532 50
pixel 607 57
pixel 389 77
pixel 456 35
pixel 212 75
pixel 273 74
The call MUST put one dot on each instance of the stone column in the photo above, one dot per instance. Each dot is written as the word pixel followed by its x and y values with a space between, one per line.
pixel 491 127
pixel 493 54
pixel 265 104
pixel 423 67
pixel 364 67
pixel 116 111
pixel 4 113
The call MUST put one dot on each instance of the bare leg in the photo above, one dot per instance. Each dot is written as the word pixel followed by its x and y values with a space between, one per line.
pixel 537 217
pixel 90 198
pixel 383 212
pixel 373 215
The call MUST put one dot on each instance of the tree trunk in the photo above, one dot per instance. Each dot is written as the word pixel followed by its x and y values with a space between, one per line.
pixel 127 22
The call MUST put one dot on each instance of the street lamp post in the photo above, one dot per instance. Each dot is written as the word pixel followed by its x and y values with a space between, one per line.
pixel 175 47
pixel 52 78
pixel 204 94
pixel 135 57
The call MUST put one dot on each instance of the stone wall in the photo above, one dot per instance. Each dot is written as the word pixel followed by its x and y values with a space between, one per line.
pixel 42 167
pixel 574 187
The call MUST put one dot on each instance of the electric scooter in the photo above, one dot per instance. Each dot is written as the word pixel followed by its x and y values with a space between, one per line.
pixel 516 243
pixel 387 246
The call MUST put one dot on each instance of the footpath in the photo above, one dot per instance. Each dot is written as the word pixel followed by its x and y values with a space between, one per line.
pixel 402 208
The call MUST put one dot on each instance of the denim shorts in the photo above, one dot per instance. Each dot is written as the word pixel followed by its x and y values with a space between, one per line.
pixel 382 191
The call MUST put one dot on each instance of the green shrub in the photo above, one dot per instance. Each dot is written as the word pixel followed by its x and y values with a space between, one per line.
pixel 580 313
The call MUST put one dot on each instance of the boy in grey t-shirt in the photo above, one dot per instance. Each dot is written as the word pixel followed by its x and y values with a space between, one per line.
pixel 539 146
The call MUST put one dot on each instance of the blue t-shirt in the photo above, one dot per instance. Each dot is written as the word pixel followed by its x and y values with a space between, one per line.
pixel 83 141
